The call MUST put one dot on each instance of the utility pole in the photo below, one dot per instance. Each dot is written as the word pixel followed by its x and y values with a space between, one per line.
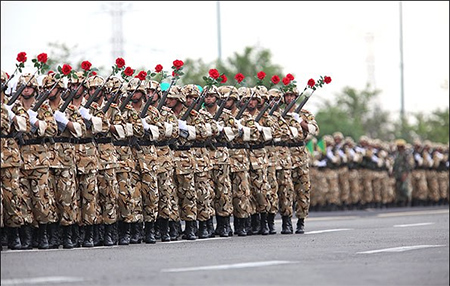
pixel 370 61
pixel 117 12
pixel 402 97
pixel 219 40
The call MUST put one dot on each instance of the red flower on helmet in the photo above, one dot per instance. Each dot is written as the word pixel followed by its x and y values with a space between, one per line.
pixel 128 71
pixel 42 58
pixel 290 77
pixel 86 65
pixel 178 64
pixel 224 78
pixel 275 79
pixel 66 69
pixel 158 68
pixel 214 73
pixel 311 82
pixel 94 73
pixel 142 75
pixel 50 72
pixel 286 80
pixel 120 63
pixel 239 77
pixel 327 79
pixel 261 75
pixel 21 57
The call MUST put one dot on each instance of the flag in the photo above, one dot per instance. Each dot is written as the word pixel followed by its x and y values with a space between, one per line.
pixel 322 146
pixel 310 146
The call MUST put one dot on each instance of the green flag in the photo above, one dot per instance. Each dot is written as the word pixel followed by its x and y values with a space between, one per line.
pixel 322 146
pixel 310 146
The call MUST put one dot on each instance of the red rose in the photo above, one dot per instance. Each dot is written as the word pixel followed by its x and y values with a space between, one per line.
pixel 66 69
pixel 214 73
pixel 178 64
pixel 21 57
pixel 142 75
pixel 290 76
pixel 286 81
pixel 261 75
pixel 7 75
pixel 86 65
pixel 327 79
pixel 120 63
pixel 239 77
pixel 42 58
pixel 94 73
pixel 311 82
pixel 275 79
pixel 128 71
pixel 174 74
pixel 50 72
pixel 224 78
pixel 158 68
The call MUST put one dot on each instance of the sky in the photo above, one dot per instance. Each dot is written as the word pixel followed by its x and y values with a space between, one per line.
pixel 353 42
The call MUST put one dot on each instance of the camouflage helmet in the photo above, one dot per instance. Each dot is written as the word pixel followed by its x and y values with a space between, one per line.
pixel 49 81
pixel 363 138
pixel 243 91
pixel 25 78
pixel 176 93
pixel 261 91
pixel 248 92
pixel 228 91
pixel 275 93
pixel 95 81
pixel 214 90
pixel 136 84
pixel 400 142
pixel 190 90
pixel 328 139
pixel 80 78
pixel 113 84
pixel 293 91
pixel 4 77
pixel 154 85
pixel 349 141
pixel 338 135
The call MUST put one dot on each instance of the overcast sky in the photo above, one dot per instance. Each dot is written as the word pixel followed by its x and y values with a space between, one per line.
pixel 353 42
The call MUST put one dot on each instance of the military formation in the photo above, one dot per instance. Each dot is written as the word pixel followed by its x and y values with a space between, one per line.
pixel 92 161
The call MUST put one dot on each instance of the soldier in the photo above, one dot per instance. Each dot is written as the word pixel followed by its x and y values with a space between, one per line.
pixel 39 200
pixel 333 161
pixel 353 172
pixel 403 166
pixel 441 163
pixel 418 176
pixel 221 181
pixel 342 170
pixel 367 166
pixel 11 193
pixel 431 174
pixel 147 158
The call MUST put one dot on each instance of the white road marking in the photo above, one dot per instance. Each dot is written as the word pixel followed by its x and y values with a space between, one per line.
pixel 197 240
pixel 413 224
pixel 327 230
pixel 59 249
pixel 413 213
pixel 399 249
pixel 229 266
pixel 37 280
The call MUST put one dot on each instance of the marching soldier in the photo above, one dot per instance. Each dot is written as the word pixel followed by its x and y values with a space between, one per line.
pixel 342 170
pixel 418 177
pixel 353 172
pixel 403 166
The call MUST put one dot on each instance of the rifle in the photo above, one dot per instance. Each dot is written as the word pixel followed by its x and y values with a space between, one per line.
pixel 94 95
pixel 164 95
pixel 71 96
pixel 220 110
pixel 201 99
pixel 111 99
pixel 300 106
pixel 289 106
pixel 44 96
pixel 19 92
pixel 275 106
pixel 128 98
pixel 263 110
pixel 244 107
pixel 5 85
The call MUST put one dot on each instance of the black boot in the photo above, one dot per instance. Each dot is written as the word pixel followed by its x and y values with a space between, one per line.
pixel 13 238
pixel 263 224
pixel 189 230
pixel 53 235
pixel 67 236
pixel 241 226
pixel 222 226
pixel 271 223
pixel 42 237
pixel 248 225
pixel 173 227
pixel 26 236
pixel 4 236
pixel 135 233
pixel 210 227
pixel 203 230
pixel 300 226
pixel 97 237
pixel 35 236
pixel 76 235
pixel 150 232
pixel 124 233
pixel 88 236
pixel 219 221
pixel 164 229
pixel 256 224
pixel 108 239
pixel 157 228
pixel 228 225
pixel 286 225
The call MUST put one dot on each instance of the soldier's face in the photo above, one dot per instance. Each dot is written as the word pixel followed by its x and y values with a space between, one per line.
pixel 189 100
pixel 252 104
pixel 289 97
pixel 137 97
pixel 27 93
pixel 171 102
pixel 210 100
pixel 229 104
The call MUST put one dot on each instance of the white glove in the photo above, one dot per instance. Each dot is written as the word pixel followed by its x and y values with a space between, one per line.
pixel 85 113
pixel 146 125
pixel 297 117
pixel 182 125
pixel 8 107
pixel 239 124
pixel 10 113
pixel 219 127
pixel 33 116
pixel 258 126
pixel 60 117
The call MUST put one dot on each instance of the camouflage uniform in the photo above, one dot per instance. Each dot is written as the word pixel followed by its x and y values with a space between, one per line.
pixel 333 159
pixel 418 177
pixel 367 165
pixel 353 172
pixel 342 170
pixel 403 165
pixel 431 174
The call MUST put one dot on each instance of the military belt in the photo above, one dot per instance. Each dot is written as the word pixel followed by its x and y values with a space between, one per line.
pixel 178 148
pixel 257 146
pixel 238 146
pixel 220 144
pixel 6 136
pixel 34 141
pixel 198 145
pixel 282 144
pixel 62 140
pixel 103 140
pixel 161 143
pixel 83 140
pixel 121 143
pixel 145 142
pixel 296 144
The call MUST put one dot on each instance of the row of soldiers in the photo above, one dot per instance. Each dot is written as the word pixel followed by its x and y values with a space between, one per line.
pixel 349 175
pixel 122 161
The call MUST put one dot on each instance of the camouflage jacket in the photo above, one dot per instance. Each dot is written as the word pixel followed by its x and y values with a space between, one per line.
pixel 169 131
pixel 10 155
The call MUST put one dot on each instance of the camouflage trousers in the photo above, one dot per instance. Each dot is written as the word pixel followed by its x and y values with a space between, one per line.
pixel 240 185
pixel 62 182
pixel 318 185
pixel 88 197
pixel 442 177
pixel 387 192
pixel 377 186
pixel 11 213
pixel 344 186
pixel 354 182
pixel 259 187
pixel 39 204
pixel 221 185
pixel 433 185
pixel 128 198
pixel 272 192
pixel 285 192
pixel 403 190
pixel 187 196
pixel 205 208
pixel 367 176
pixel 108 196
pixel 168 199
pixel 419 185
pixel 146 184
pixel 302 190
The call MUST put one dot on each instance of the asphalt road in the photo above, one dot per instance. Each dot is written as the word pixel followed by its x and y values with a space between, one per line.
pixel 400 246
